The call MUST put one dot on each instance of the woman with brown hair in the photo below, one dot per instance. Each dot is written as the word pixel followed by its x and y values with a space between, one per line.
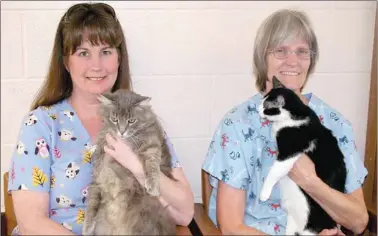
pixel 57 138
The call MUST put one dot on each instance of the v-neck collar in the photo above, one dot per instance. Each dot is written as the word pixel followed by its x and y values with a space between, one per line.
pixel 82 129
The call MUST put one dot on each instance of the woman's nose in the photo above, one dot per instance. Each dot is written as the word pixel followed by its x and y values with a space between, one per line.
pixel 292 58
pixel 95 63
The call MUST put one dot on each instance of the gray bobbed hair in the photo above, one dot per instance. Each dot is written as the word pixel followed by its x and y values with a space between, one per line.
pixel 280 26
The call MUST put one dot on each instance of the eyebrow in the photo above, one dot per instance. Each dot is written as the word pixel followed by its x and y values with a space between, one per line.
pixel 298 47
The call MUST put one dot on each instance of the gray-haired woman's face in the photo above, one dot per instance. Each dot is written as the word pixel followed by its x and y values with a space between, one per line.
pixel 289 62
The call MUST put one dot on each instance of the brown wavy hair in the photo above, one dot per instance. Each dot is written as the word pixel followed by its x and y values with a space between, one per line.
pixel 99 22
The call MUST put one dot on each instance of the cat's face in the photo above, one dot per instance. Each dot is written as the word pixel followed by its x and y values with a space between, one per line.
pixel 126 112
pixel 280 103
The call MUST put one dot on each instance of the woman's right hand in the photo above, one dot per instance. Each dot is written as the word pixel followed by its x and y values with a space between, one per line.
pixel 230 213
pixel 32 214
pixel 121 151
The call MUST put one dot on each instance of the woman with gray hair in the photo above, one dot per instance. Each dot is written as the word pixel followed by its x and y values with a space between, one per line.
pixel 243 148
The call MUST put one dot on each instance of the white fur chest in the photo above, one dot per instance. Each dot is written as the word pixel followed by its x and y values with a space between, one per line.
pixel 278 125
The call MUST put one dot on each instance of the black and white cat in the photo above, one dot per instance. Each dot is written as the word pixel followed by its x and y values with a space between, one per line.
pixel 298 130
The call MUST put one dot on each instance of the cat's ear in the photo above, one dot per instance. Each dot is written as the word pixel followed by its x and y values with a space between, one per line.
pixel 281 101
pixel 105 100
pixel 277 83
pixel 145 102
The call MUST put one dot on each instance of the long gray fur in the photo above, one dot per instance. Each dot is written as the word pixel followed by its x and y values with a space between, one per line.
pixel 117 203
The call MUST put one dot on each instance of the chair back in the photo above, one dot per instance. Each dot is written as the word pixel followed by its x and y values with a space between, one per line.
pixel 9 210
pixel 206 190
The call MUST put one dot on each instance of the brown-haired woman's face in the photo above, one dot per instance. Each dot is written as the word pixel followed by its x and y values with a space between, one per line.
pixel 93 68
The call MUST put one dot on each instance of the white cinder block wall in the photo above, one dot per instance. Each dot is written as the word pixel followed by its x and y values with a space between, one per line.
pixel 194 59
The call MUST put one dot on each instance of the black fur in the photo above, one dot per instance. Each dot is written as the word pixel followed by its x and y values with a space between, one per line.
pixel 327 156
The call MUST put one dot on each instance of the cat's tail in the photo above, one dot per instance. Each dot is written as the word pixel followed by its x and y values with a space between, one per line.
pixel 165 224
pixel 154 219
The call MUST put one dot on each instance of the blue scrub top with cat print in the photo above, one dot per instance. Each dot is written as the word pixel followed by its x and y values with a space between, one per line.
pixel 243 149
pixel 53 155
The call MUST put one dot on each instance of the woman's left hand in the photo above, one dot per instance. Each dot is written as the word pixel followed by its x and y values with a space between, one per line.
pixel 335 231
pixel 121 151
pixel 303 172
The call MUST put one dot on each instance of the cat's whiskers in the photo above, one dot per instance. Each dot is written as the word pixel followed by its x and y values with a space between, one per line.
pixel 134 140
pixel 144 127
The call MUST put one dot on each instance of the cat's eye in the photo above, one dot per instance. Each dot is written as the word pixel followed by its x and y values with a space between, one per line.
pixel 131 121
pixel 113 119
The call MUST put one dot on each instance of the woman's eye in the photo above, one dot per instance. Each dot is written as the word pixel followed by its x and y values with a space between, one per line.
pixel 303 51
pixel 107 52
pixel 83 54
pixel 132 120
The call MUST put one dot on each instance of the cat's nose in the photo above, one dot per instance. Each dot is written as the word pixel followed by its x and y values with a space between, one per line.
pixel 122 128
pixel 123 132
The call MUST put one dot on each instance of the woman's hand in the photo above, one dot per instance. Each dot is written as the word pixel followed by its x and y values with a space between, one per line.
pixel 121 151
pixel 303 172
pixel 335 231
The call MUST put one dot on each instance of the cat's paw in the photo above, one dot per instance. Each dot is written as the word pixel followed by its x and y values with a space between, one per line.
pixel 152 188
pixel 88 229
pixel 264 195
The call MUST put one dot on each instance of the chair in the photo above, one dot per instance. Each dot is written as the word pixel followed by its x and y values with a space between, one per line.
pixel 10 218
pixel 201 218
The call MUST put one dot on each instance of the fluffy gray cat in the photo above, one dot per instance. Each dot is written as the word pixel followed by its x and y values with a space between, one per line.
pixel 117 203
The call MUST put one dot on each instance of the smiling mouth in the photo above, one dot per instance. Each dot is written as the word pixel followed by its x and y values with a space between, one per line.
pixel 96 78
pixel 292 73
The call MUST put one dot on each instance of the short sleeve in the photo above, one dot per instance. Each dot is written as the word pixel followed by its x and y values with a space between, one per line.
pixel 174 159
pixel 225 159
pixel 30 162
pixel 356 171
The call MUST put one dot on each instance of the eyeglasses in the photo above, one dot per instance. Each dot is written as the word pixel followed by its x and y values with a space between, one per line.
pixel 283 53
